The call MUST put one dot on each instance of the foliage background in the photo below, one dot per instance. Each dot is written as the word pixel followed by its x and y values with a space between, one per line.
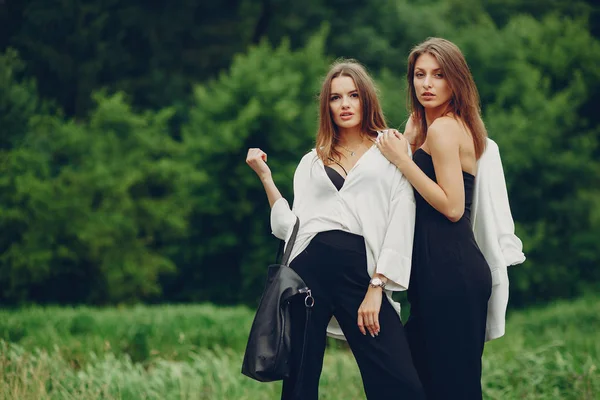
pixel 124 128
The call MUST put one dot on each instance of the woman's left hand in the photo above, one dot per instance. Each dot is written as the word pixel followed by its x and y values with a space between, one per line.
pixel 368 312
pixel 394 146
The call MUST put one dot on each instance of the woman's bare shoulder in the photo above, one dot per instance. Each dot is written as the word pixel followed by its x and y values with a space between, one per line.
pixel 445 132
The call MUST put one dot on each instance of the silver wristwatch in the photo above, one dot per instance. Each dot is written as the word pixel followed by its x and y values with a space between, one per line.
pixel 376 282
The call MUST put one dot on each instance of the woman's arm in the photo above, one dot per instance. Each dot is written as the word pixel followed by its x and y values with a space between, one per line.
pixel 282 217
pixel 447 195
pixel 257 160
pixel 394 261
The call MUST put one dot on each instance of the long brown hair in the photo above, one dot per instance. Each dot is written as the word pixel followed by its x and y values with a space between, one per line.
pixel 372 119
pixel 464 102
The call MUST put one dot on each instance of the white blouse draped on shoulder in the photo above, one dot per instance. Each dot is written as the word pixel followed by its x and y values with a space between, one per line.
pixel 494 231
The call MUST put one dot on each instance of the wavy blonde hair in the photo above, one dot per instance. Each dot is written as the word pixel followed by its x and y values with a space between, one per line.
pixel 464 102
pixel 372 119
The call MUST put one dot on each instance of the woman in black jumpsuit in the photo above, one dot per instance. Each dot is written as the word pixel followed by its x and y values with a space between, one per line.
pixel 449 291
pixel 450 282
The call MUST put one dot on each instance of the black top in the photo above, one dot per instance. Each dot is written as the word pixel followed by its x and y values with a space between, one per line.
pixel 342 240
pixel 337 179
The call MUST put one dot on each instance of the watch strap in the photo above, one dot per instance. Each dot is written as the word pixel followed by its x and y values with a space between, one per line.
pixel 377 282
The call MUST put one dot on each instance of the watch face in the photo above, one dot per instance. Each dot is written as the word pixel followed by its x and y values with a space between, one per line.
pixel 376 281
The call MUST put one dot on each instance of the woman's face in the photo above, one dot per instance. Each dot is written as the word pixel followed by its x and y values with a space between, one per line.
pixel 344 103
pixel 431 87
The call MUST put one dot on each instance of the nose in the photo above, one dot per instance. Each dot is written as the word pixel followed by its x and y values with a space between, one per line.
pixel 345 102
pixel 427 82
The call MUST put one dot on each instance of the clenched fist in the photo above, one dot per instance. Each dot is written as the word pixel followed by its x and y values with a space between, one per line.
pixel 257 160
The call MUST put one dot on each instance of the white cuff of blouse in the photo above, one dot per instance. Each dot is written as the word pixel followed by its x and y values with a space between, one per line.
pixel 396 268
pixel 282 220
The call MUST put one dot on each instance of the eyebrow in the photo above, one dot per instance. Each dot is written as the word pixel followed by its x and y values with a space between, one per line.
pixel 422 69
pixel 352 91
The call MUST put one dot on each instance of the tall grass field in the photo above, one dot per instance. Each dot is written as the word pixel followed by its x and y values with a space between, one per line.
pixel 195 352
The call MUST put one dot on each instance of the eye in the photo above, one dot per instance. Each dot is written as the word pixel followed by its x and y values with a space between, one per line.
pixel 355 95
pixel 439 75
pixel 334 98
pixel 419 74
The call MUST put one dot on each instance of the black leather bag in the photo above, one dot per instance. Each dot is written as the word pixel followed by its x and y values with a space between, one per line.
pixel 269 344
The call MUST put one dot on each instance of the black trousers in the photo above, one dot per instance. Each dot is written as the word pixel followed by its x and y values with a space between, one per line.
pixel 334 266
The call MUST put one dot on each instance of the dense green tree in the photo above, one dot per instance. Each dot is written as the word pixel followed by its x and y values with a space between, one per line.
pixel 267 99
pixel 153 50
pixel 150 50
pixel 19 100
pixel 502 11
pixel 115 203
pixel 539 107
pixel 84 207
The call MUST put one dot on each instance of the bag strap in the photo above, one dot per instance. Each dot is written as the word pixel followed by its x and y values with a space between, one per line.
pixel 279 252
pixel 288 249
pixel 298 383
pixel 309 302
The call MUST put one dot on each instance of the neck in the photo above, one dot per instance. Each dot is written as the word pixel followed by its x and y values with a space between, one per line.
pixel 431 114
pixel 351 136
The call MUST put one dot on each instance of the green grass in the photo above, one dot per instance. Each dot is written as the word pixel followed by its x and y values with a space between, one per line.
pixel 195 352
pixel 142 332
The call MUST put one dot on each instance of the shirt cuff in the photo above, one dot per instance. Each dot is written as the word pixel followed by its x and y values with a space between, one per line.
pixel 282 219
pixel 396 268
pixel 512 249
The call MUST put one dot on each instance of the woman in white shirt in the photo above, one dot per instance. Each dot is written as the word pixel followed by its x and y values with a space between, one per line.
pixel 451 282
pixel 354 244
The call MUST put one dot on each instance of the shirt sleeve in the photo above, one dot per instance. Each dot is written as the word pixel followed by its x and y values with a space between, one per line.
pixel 396 253
pixel 283 217
pixel 495 208
pixel 511 245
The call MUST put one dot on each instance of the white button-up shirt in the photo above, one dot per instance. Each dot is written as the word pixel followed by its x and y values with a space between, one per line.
pixel 376 202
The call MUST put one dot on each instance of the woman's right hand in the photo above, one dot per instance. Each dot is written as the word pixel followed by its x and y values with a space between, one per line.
pixel 257 160
pixel 394 146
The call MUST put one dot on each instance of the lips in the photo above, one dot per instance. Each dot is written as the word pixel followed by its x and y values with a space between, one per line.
pixel 427 96
pixel 346 116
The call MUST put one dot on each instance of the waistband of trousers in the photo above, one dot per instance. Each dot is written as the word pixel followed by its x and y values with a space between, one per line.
pixel 341 240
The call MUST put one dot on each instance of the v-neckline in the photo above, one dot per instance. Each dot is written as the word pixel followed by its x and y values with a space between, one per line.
pixel 349 171
pixel 359 159
pixel 336 171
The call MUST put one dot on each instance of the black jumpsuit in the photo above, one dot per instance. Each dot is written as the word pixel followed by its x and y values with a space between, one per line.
pixel 450 285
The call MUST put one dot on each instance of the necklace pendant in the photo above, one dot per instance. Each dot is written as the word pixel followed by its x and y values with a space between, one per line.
pixel 352 153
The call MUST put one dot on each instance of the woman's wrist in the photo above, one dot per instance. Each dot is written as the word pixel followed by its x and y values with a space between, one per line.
pixel 266 178
pixel 402 162
pixel 378 281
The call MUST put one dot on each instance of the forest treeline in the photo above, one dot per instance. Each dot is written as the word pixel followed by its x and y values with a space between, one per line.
pixel 124 129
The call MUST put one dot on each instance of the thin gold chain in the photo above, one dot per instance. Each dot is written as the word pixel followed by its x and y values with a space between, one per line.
pixel 353 152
